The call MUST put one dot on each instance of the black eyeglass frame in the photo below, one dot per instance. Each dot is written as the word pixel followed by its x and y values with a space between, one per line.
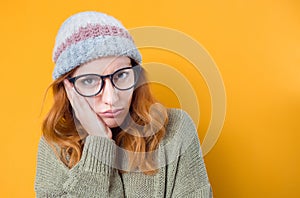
pixel 136 69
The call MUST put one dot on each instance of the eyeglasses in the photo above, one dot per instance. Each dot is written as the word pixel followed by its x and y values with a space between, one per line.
pixel 89 85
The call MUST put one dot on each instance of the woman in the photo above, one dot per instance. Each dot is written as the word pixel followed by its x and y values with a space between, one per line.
pixel 105 135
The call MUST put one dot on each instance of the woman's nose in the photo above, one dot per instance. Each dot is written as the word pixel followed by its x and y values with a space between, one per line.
pixel 109 93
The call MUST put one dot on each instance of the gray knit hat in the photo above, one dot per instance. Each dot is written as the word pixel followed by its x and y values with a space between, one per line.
pixel 86 36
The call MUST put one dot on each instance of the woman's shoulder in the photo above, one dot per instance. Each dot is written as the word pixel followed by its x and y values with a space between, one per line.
pixel 180 125
pixel 178 114
pixel 178 119
pixel 44 145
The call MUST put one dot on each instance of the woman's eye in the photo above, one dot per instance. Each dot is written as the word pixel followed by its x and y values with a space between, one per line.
pixel 88 81
pixel 122 75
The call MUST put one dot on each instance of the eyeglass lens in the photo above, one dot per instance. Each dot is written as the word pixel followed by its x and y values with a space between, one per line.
pixel 91 84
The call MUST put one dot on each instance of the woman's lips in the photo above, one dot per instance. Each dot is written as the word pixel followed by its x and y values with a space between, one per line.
pixel 111 113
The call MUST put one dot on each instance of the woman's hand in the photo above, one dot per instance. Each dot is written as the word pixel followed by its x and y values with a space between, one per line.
pixel 87 117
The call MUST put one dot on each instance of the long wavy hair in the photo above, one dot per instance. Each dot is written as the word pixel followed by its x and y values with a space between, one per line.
pixel 60 132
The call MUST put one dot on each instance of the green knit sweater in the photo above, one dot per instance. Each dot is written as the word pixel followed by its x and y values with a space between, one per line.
pixel 183 175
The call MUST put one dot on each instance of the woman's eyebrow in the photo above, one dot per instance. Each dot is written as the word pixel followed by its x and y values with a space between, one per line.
pixel 121 66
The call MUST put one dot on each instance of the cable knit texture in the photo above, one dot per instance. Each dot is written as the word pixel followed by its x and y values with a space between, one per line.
pixel 182 172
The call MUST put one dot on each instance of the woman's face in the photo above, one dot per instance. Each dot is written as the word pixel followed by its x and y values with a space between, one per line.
pixel 111 105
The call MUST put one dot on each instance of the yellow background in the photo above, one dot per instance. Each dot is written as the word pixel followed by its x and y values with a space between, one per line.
pixel 255 43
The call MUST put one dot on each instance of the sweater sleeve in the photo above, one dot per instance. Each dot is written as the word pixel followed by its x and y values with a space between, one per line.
pixel 190 175
pixel 191 178
pixel 92 176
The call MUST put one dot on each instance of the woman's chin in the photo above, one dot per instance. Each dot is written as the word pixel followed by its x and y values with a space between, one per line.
pixel 112 122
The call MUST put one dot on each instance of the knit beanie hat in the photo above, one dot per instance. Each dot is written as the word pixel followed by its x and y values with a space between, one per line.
pixel 86 36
